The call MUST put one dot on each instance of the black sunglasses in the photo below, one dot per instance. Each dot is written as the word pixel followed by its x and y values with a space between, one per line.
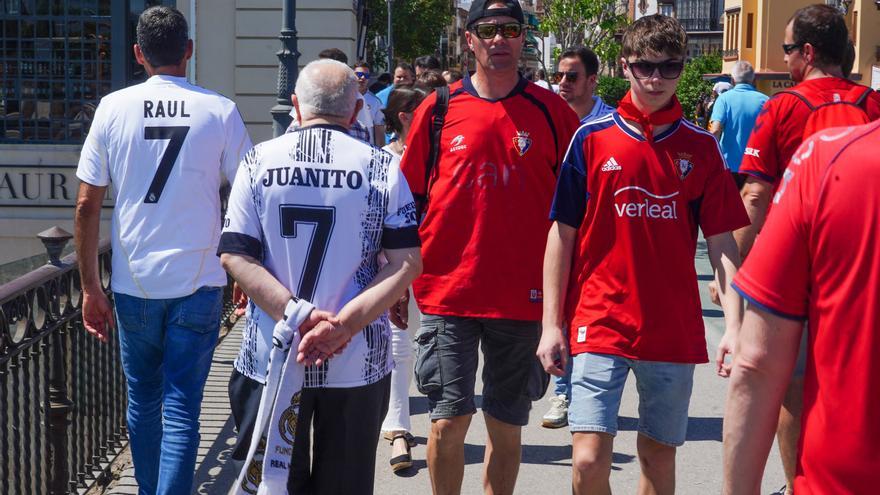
pixel 670 69
pixel 488 31
pixel 570 75
pixel 790 47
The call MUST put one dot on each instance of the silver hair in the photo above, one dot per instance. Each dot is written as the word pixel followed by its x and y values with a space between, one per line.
pixel 326 88
pixel 743 72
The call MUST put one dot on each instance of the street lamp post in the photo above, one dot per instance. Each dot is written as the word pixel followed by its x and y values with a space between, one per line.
pixel 288 68
pixel 390 43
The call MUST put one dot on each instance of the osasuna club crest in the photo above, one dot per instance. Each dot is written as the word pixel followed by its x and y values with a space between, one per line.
pixel 522 142
pixel 684 166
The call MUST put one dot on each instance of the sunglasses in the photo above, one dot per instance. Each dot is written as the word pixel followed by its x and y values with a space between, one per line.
pixel 362 75
pixel 489 30
pixel 669 69
pixel 571 76
pixel 790 47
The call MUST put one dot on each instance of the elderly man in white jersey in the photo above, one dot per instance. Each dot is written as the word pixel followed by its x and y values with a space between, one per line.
pixel 164 147
pixel 308 215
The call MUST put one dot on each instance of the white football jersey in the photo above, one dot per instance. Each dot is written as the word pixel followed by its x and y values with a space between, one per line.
pixel 162 146
pixel 315 207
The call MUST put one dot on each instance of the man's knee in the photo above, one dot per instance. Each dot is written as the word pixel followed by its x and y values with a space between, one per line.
pixel 591 455
pixel 450 431
pixel 655 456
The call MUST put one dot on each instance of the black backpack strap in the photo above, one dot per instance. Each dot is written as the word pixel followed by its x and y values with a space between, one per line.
pixel 438 118
pixel 799 97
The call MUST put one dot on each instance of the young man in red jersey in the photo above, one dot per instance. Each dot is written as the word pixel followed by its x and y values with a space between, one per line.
pixel 815 44
pixel 482 235
pixel 619 272
pixel 816 259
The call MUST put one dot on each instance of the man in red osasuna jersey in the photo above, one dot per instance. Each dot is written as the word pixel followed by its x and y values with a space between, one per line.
pixel 816 43
pixel 619 266
pixel 816 260
pixel 482 238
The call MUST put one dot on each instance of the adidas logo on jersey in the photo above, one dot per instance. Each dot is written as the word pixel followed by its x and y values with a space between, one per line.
pixel 611 165
pixel 457 143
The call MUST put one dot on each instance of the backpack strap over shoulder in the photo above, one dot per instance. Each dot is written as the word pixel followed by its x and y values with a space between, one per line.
pixel 799 96
pixel 438 118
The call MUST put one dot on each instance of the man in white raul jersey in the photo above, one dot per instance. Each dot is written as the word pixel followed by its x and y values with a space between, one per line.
pixel 308 215
pixel 163 146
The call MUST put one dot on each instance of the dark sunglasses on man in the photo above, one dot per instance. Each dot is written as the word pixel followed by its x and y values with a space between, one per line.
pixel 571 76
pixel 790 47
pixel 669 69
pixel 487 31
pixel 362 75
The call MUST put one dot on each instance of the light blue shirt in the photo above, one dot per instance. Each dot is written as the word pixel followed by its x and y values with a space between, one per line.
pixel 384 94
pixel 600 109
pixel 737 111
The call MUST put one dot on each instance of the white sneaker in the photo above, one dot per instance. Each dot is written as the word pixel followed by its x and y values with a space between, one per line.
pixel 557 416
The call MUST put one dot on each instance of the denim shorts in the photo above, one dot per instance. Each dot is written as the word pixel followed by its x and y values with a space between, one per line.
pixel 447 355
pixel 664 390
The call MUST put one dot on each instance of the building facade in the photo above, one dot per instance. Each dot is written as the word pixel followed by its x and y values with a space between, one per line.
pixel 755 33
pixel 701 19
pixel 59 58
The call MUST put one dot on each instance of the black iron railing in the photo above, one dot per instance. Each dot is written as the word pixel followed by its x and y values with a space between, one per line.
pixel 62 392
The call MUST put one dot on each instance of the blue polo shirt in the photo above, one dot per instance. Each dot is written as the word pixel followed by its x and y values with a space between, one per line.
pixel 600 109
pixel 737 111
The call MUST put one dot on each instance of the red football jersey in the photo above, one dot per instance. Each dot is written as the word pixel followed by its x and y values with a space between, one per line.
pixel 486 226
pixel 817 259
pixel 779 129
pixel 637 206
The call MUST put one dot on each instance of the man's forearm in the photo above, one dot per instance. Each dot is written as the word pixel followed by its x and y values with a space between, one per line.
pixel 385 289
pixel 379 135
pixel 87 224
pixel 724 258
pixel 765 357
pixel 557 268
pixel 264 289
pixel 756 198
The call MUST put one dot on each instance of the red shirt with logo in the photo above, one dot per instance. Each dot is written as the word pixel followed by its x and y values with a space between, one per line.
pixel 637 206
pixel 486 225
pixel 817 259
pixel 780 126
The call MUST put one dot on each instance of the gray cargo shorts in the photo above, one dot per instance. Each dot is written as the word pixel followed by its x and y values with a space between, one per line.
pixel 447 359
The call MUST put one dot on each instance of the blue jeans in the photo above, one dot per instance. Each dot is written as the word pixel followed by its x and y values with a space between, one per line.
pixel 562 384
pixel 167 346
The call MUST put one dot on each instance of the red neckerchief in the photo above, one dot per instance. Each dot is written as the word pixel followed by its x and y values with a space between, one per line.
pixel 628 110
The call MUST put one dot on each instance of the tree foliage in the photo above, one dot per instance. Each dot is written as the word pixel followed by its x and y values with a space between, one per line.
pixel 417 26
pixel 691 86
pixel 612 89
pixel 591 23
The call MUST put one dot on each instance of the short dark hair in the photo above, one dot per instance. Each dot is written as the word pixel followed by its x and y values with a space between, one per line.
pixel 384 78
pixel 405 66
pixel 587 57
pixel 362 63
pixel 427 62
pixel 402 100
pixel 657 34
pixel 454 75
pixel 431 80
pixel 823 27
pixel 162 35
pixel 334 54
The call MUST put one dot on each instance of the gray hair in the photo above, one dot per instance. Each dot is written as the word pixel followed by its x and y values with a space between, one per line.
pixel 326 88
pixel 743 72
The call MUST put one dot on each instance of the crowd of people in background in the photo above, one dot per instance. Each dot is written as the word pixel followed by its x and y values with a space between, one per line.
pixel 408 221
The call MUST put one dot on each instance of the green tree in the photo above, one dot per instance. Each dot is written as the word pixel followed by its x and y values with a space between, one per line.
pixel 612 89
pixel 692 87
pixel 592 23
pixel 417 26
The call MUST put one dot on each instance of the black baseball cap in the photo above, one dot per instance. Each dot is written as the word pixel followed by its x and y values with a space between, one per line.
pixel 480 9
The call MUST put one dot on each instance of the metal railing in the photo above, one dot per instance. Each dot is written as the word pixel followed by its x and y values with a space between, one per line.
pixel 62 392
